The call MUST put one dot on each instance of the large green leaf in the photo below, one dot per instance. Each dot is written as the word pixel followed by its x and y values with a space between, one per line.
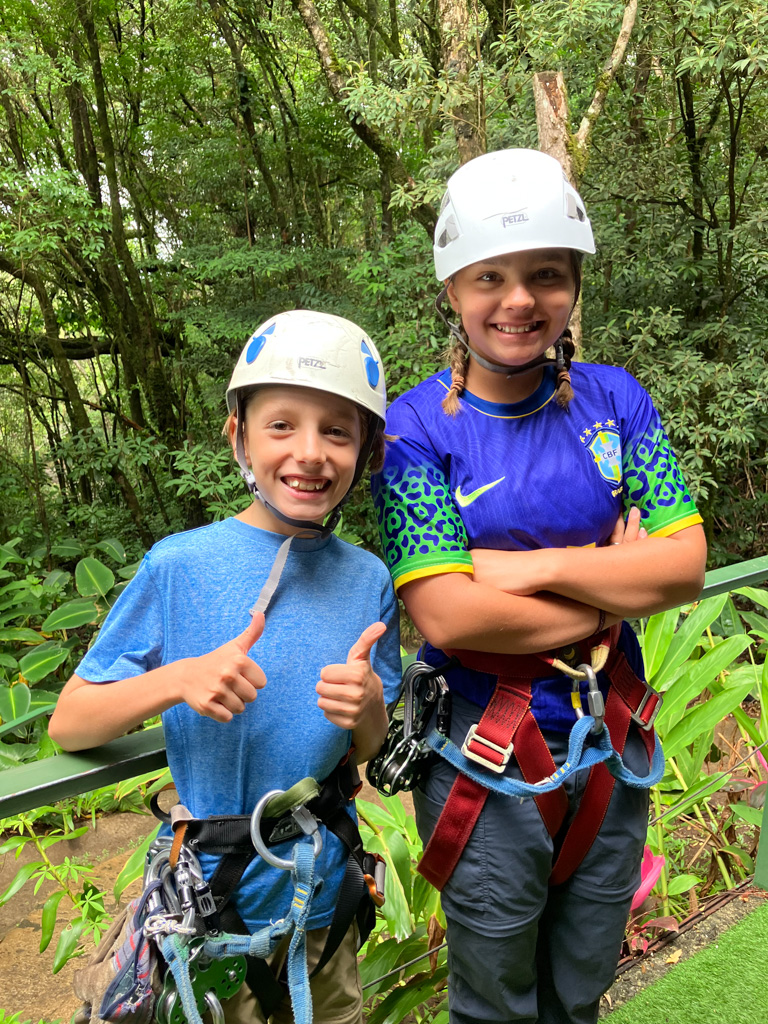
pixel 134 866
pixel 6 661
pixel 703 718
pixel 50 911
pixel 93 578
pixel 752 815
pixel 8 555
pixel 57 578
pixel 687 636
pixel 386 956
pixel 399 858
pixel 682 883
pixel 43 660
pixel 21 877
pixel 755 594
pixel 697 678
pixel 75 613
pixel 405 998
pixel 112 547
pixel 730 623
pixel 67 943
pixel 128 571
pixel 67 549
pixel 658 635
pixel 21 635
pixel 14 701
pixel 396 910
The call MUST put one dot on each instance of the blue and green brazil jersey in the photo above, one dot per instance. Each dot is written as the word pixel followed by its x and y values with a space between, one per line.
pixel 523 476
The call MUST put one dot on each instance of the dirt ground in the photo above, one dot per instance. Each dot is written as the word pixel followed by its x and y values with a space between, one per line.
pixel 28 988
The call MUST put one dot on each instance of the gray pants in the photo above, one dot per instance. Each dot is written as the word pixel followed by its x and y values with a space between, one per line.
pixel 519 950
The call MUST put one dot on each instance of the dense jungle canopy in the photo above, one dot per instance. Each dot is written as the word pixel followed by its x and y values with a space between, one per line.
pixel 172 172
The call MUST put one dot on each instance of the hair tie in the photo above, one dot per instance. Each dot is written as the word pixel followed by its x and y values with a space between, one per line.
pixel 457 383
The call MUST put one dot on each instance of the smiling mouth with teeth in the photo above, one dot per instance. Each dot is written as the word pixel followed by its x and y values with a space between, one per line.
pixel 305 485
pixel 509 329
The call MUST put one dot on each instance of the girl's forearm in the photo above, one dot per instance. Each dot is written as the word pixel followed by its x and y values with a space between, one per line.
pixel 453 611
pixel 633 579
pixel 624 579
pixel 89 714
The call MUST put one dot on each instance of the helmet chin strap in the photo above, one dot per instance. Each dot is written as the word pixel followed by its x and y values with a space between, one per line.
pixel 508 371
pixel 321 529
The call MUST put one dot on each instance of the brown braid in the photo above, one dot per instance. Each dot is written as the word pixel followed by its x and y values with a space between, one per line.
pixel 564 390
pixel 458 360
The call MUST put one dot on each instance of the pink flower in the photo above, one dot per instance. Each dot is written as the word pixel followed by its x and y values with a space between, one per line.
pixel 650 869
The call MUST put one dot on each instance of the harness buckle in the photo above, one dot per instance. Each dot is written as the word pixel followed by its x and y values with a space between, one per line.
pixel 506 752
pixel 636 715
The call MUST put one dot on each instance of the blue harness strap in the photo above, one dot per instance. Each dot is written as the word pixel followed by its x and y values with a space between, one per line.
pixel 580 756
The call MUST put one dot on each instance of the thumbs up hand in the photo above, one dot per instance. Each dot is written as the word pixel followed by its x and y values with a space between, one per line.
pixel 346 693
pixel 221 683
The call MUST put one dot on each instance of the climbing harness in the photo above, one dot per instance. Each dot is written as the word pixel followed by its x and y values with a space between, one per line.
pixel 404 758
pixel 203 969
pixel 277 819
pixel 508 728
pixel 168 960
pixel 180 950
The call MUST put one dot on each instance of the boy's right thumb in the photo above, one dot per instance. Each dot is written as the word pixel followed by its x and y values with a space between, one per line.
pixel 249 636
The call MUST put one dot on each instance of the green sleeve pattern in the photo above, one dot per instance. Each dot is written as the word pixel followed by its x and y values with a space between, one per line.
pixel 420 527
pixel 653 482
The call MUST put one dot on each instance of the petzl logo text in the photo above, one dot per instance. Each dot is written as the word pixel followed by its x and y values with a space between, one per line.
pixel 312 364
pixel 513 218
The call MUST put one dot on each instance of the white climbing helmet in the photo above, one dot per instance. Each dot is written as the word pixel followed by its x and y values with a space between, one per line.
pixel 313 350
pixel 305 349
pixel 508 201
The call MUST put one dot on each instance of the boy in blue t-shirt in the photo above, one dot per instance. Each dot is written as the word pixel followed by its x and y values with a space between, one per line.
pixel 250 705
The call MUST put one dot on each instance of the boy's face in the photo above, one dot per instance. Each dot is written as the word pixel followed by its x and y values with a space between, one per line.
pixel 302 446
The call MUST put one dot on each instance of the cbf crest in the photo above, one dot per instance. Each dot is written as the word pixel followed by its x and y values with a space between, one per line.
pixel 604 443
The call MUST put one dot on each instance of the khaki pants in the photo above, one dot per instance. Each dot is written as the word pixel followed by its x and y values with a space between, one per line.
pixel 336 994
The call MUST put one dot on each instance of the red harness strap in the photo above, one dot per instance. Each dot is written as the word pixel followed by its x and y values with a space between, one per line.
pixel 507 719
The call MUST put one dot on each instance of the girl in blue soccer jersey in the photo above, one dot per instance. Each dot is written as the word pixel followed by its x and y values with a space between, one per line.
pixel 527 506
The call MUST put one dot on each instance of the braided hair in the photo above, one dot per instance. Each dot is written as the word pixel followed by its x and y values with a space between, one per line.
pixel 458 360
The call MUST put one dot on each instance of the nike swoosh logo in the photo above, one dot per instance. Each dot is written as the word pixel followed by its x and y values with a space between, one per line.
pixel 467 499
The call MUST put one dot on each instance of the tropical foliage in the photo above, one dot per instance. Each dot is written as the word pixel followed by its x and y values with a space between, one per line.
pixel 173 173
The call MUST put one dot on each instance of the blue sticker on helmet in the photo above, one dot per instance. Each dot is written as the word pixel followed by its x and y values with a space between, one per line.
pixel 257 344
pixel 372 371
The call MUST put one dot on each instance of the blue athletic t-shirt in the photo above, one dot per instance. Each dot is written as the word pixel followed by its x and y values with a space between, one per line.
pixel 191 595
pixel 517 477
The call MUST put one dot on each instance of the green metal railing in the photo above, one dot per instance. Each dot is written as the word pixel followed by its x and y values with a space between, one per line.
pixel 33 785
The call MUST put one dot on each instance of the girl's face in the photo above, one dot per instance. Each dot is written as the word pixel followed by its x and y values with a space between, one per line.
pixel 514 307
pixel 302 446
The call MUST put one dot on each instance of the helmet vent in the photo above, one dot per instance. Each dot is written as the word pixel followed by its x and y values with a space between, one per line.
pixel 572 208
pixel 445 200
pixel 449 233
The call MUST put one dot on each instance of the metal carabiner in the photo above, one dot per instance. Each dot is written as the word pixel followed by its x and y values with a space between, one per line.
pixel 595 701
pixel 306 821
pixel 217 1011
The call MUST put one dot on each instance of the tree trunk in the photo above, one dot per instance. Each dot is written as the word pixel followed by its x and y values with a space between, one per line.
pixel 466 112
pixel 387 153
pixel 551 102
